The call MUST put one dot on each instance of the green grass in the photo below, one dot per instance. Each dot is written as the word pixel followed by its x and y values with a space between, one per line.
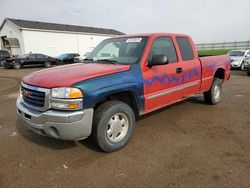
pixel 212 52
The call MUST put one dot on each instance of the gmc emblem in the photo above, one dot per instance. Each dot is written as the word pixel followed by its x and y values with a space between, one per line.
pixel 26 93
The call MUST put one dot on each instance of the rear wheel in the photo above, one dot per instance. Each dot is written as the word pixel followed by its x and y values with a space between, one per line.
pixel 248 73
pixel 113 125
pixel 16 65
pixel 213 95
pixel 47 64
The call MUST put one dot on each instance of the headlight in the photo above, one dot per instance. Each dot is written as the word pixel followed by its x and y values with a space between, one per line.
pixel 66 98
pixel 66 93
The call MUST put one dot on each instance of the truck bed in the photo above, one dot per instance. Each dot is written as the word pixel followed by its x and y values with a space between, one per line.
pixel 209 66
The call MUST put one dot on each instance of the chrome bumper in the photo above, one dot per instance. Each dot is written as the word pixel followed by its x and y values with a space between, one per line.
pixel 65 125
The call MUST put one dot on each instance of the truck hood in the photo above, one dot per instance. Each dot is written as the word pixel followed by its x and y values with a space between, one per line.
pixel 68 75
pixel 236 58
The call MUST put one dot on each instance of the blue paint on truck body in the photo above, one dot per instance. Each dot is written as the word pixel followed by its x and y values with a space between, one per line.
pixel 97 89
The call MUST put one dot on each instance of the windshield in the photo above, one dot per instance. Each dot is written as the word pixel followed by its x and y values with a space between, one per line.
pixel 127 50
pixel 236 53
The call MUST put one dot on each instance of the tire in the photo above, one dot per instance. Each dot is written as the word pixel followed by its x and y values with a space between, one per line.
pixel 248 73
pixel 213 95
pixel 16 65
pixel 113 125
pixel 47 64
pixel 242 66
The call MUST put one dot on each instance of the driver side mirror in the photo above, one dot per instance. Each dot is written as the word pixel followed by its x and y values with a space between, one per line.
pixel 158 60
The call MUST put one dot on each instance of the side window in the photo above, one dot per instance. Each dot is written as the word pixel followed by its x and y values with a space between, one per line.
pixel 185 48
pixel 32 56
pixel 40 56
pixel 163 46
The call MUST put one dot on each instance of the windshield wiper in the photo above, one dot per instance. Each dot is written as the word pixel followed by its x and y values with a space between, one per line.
pixel 108 60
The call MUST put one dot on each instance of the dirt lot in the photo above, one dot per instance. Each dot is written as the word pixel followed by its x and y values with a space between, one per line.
pixel 189 144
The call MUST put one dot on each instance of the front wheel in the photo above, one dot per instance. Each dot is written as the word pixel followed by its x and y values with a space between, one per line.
pixel 213 95
pixel 113 125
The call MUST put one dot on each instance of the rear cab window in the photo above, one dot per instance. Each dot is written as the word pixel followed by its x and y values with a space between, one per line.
pixel 163 46
pixel 185 48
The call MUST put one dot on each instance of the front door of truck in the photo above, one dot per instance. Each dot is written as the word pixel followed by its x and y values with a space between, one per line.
pixel 162 83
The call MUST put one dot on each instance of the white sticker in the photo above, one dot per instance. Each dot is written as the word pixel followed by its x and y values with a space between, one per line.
pixel 134 40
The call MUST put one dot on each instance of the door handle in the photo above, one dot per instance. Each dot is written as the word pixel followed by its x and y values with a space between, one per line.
pixel 178 70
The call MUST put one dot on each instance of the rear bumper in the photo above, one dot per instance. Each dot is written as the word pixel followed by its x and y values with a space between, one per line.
pixel 64 125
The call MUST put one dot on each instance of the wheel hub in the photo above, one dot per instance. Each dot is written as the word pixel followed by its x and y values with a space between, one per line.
pixel 217 91
pixel 117 127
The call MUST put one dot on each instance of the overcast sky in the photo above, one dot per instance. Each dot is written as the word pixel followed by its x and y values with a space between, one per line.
pixel 204 20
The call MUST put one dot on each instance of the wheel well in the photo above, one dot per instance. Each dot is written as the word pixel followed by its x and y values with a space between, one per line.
pixel 220 73
pixel 127 97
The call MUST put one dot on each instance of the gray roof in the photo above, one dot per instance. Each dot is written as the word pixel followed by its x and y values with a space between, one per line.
pixel 62 27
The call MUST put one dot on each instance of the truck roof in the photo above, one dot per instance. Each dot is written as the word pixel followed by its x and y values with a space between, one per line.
pixel 153 35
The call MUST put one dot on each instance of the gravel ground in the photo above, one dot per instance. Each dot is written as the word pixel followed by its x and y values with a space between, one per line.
pixel 188 144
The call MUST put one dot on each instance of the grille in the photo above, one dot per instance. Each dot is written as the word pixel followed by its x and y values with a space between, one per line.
pixel 32 97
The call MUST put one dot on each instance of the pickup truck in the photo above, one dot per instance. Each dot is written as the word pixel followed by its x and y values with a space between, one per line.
pixel 102 97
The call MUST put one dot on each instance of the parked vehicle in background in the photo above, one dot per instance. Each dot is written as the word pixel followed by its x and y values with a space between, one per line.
pixel 102 97
pixel 239 58
pixel 80 59
pixel 4 54
pixel 67 58
pixel 29 60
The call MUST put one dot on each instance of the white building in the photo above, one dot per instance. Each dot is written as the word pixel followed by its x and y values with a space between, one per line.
pixel 23 36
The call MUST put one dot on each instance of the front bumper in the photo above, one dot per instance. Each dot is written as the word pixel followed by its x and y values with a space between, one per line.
pixel 64 125
pixel 235 64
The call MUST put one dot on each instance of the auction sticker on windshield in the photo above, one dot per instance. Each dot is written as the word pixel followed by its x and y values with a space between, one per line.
pixel 134 40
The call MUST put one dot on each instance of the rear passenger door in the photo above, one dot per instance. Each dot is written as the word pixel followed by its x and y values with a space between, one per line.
pixel 29 60
pixel 40 59
pixel 191 78
pixel 162 85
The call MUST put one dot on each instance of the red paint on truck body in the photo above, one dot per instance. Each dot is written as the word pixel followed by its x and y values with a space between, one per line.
pixel 64 76
pixel 196 77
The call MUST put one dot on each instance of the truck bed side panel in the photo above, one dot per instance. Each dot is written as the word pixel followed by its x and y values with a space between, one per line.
pixel 210 65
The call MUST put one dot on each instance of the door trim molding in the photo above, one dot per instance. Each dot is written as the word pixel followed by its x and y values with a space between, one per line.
pixel 171 91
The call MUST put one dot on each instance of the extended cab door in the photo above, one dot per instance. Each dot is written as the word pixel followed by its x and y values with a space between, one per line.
pixel 162 83
pixel 191 66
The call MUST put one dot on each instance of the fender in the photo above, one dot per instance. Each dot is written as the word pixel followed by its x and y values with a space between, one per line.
pixel 98 89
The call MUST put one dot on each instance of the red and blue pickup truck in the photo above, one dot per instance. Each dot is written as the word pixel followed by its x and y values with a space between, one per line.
pixel 123 78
